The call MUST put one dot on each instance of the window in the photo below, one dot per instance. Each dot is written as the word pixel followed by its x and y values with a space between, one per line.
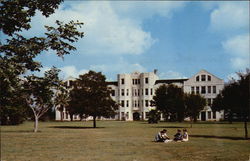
pixel 122 92
pixel 147 115
pixel 151 91
pixel 203 89
pixel 208 78
pixel 146 103
pixel 127 92
pixel 135 92
pixel 138 103
pixel 122 81
pixel 208 89
pixel 135 103
pixel 214 115
pixel 127 104
pixel 139 81
pixel 146 80
pixel 142 92
pixel 197 90
pixel 146 91
pixel 192 90
pixel 135 81
pixel 214 89
pixel 203 77
pixel 127 115
pixel 113 92
pixel 138 92
pixel 209 114
pixel 122 103
pixel 198 78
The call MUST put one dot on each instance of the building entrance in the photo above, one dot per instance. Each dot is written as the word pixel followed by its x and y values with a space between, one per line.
pixel 136 116
pixel 203 116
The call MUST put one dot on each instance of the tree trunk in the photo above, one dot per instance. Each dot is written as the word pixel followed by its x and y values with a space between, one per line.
pixel 192 121
pixel 36 124
pixel 245 125
pixel 61 112
pixel 94 121
pixel 195 118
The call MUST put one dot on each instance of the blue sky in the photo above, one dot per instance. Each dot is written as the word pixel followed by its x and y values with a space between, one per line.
pixel 177 38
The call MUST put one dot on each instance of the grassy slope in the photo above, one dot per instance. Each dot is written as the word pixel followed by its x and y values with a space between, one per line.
pixel 121 141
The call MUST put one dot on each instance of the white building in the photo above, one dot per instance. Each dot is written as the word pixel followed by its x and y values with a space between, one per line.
pixel 135 91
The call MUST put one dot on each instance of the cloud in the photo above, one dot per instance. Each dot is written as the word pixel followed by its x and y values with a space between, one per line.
pixel 120 66
pixel 229 16
pixel 238 48
pixel 110 27
pixel 171 75
pixel 71 71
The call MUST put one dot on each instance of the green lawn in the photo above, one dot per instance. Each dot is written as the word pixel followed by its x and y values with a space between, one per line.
pixel 121 141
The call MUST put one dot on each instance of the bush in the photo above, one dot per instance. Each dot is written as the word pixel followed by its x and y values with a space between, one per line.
pixel 153 117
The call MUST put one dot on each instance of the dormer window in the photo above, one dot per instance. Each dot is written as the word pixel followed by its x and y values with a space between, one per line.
pixel 203 77
pixel 197 78
pixel 208 78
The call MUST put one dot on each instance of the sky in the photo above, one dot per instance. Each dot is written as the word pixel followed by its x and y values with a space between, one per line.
pixel 177 38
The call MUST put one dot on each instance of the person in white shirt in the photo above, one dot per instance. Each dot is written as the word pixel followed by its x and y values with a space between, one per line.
pixel 185 135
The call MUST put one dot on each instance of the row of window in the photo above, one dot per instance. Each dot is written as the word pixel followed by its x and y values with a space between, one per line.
pixel 203 78
pixel 135 92
pixel 134 81
pixel 136 103
pixel 210 115
pixel 123 116
pixel 203 89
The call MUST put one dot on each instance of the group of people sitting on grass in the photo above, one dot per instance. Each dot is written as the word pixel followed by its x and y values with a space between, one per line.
pixel 178 137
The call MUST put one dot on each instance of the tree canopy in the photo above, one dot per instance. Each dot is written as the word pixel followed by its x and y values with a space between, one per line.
pixel 234 99
pixel 18 53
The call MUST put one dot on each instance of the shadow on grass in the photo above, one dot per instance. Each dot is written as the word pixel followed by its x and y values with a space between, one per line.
pixel 20 131
pixel 74 127
pixel 219 137
pixel 169 127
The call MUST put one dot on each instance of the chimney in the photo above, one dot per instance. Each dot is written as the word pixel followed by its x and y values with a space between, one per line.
pixel 155 71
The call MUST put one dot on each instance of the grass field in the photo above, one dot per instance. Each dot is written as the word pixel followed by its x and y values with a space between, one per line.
pixel 122 141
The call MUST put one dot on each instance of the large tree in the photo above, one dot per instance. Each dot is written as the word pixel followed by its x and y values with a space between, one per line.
pixel 91 97
pixel 40 93
pixel 18 53
pixel 170 101
pixel 194 104
pixel 235 98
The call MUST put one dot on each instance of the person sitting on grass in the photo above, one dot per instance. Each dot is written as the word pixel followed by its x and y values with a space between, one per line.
pixel 185 135
pixel 178 136
pixel 161 136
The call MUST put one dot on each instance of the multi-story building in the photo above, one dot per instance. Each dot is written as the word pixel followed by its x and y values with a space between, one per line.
pixel 135 91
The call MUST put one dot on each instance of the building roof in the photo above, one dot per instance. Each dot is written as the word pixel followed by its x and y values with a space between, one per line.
pixel 169 81
pixel 112 83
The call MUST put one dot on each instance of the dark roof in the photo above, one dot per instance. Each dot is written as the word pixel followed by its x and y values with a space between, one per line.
pixel 112 83
pixel 169 81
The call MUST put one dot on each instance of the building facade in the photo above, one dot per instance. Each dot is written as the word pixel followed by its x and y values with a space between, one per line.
pixel 135 91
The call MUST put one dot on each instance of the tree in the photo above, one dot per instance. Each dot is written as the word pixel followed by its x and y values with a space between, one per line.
pixel 234 98
pixel 18 53
pixel 41 92
pixel 160 100
pixel 170 101
pixel 91 97
pixel 194 104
